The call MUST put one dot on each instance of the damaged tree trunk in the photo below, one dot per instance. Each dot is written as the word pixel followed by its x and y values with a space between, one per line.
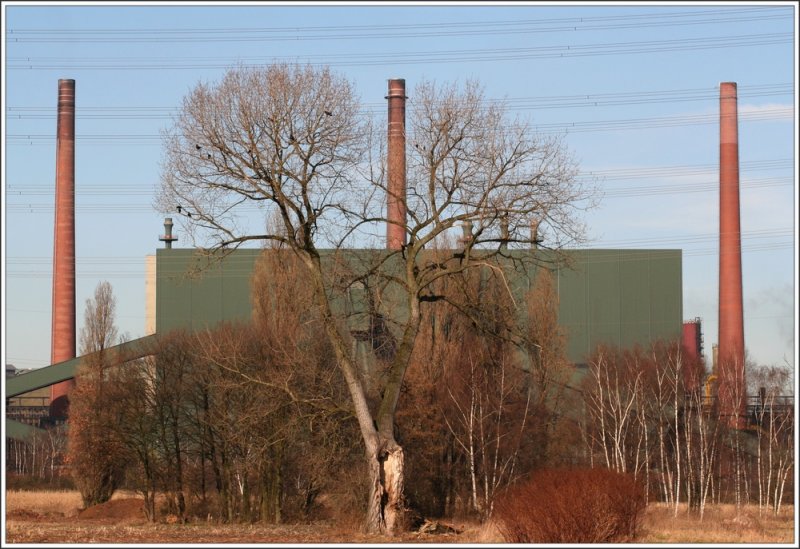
pixel 385 512
pixel 385 459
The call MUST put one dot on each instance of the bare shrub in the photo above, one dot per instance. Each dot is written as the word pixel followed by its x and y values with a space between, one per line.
pixel 571 506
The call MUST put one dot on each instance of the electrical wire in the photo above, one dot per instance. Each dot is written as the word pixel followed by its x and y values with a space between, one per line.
pixel 556 128
pixel 778 238
pixel 511 104
pixel 362 58
pixel 393 32
pixel 608 191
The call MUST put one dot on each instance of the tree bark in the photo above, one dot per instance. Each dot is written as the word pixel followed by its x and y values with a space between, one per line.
pixel 386 504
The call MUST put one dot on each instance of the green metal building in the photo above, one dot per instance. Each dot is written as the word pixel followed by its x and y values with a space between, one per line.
pixel 617 297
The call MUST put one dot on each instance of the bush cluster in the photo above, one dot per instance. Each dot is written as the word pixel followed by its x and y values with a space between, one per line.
pixel 571 506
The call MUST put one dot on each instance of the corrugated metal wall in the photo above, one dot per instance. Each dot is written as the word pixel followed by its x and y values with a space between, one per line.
pixel 618 297
pixel 220 291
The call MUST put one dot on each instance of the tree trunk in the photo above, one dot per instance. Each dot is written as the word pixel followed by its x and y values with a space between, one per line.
pixel 386 507
pixel 385 460
pixel 176 445
pixel 148 489
pixel 272 488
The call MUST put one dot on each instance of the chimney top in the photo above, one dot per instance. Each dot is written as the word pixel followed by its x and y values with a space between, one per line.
pixel 167 238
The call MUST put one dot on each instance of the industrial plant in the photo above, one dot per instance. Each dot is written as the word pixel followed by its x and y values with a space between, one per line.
pixel 618 297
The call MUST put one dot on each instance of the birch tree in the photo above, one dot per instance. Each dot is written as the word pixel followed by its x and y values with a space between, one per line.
pixel 613 393
pixel 775 434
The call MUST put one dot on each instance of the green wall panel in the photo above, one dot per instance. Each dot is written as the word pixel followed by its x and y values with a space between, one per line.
pixel 617 297
pixel 235 293
pixel 573 304
pixel 635 302
pixel 603 295
pixel 666 291
pixel 193 293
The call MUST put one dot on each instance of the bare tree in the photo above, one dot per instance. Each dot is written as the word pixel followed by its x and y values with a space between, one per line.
pixel 676 377
pixel 280 380
pixel 94 454
pixel 40 456
pixel 99 331
pixel 491 382
pixel 705 428
pixel 289 141
pixel 774 431
pixel 731 400
pixel 545 346
pixel 489 415
pixel 610 401
pixel 134 400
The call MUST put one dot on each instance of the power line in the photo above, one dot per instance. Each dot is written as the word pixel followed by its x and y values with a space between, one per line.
pixel 608 191
pixel 749 239
pixel 685 170
pixel 426 57
pixel 711 186
pixel 116 208
pixel 125 274
pixel 766 114
pixel 699 237
pixel 604 99
pixel 372 32
pixel 132 208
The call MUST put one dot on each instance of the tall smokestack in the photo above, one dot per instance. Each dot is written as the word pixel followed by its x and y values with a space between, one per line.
pixel 731 392
pixel 63 327
pixel 396 202
pixel 692 343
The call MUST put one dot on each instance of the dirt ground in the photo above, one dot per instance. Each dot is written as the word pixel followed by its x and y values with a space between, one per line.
pixel 122 521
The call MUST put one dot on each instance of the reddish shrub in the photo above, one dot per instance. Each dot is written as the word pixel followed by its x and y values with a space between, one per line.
pixel 571 506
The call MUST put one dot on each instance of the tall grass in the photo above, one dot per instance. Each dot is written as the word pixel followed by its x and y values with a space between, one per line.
pixel 720 524
pixel 57 503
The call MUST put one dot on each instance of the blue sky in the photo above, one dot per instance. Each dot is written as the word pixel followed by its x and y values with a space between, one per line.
pixel 634 86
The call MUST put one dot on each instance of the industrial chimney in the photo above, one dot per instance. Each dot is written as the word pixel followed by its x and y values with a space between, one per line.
pixel 63 311
pixel 396 161
pixel 731 385
pixel 692 344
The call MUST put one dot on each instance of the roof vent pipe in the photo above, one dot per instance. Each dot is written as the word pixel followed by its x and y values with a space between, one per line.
pixel 167 238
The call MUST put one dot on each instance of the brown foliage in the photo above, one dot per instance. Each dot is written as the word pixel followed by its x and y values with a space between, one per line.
pixel 96 457
pixel 571 506
pixel 475 413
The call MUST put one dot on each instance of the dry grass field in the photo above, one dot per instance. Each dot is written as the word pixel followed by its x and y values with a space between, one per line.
pixel 720 524
pixel 55 517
